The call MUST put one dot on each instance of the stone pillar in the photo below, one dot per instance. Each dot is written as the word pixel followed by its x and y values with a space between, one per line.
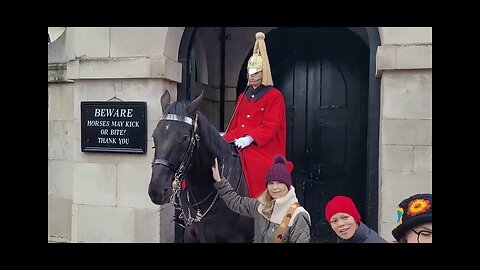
pixel 404 64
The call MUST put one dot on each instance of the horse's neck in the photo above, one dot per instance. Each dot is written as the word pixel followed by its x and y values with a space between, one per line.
pixel 199 175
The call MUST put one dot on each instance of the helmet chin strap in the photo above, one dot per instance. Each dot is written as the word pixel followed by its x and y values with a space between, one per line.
pixel 256 83
pixel 255 86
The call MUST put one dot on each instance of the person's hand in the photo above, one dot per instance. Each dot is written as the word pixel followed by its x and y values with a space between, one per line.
pixel 215 172
pixel 243 141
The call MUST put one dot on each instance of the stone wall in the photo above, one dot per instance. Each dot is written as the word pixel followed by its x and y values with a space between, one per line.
pixel 102 197
pixel 404 64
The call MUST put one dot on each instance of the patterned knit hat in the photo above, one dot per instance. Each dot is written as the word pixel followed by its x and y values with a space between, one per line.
pixel 341 204
pixel 413 211
pixel 279 172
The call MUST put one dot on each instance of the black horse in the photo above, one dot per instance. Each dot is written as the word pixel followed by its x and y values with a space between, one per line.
pixel 185 147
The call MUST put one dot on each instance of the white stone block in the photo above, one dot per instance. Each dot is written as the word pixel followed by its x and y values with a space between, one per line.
pixel 73 69
pixel 60 101
pixel 414 57
pixel 405 35
pixel 60 141
pixel 407 94
pixel 406 132
pixel 397 186
pixel 158 67
pixel 423 159
pixel 99 224
pixel 59 219
pixel 91 41
pixel 148 90
pixel 162 67
pixel 57 73
pixel 94 184
pixel 77 129
pixel 75 222
pixel 60 179
pixel 91 90
pixel 147 226
pixel 113 68
pixel 167 225
pixel 137 41
pixel 132 186
pixel 396 57
pixel 386 57
pixel 397 158
pixel 386 231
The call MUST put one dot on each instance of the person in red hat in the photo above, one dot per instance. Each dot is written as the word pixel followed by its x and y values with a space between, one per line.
pixel 344 219
pixel 414 224
pixel 278 217
pixel 258 124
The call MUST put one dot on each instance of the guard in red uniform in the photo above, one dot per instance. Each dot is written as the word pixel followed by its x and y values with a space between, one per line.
pixel 258 125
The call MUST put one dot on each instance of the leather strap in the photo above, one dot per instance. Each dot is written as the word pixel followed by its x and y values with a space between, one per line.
pixel 280 232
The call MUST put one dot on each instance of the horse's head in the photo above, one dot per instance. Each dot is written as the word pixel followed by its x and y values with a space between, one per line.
pixel 174 142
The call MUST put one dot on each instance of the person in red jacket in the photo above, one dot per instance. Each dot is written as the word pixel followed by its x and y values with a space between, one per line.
pixel 258 124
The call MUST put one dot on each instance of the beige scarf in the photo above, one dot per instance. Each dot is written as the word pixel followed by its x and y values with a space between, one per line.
pixel 281 207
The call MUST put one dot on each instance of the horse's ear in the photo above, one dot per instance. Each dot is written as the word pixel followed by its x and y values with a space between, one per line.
pixel 195 105
pixel 165 100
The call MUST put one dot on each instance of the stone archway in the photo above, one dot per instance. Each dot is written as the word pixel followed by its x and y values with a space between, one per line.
pixel 370 36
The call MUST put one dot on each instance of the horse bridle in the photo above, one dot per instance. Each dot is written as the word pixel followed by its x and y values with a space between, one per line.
pixel 180 169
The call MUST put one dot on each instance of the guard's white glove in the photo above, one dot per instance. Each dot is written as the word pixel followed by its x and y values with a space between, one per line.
pixel 243 141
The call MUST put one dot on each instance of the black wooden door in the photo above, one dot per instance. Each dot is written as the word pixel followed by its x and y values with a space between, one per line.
pixel 323 74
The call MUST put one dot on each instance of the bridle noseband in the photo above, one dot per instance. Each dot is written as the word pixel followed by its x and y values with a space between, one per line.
pixel 179 169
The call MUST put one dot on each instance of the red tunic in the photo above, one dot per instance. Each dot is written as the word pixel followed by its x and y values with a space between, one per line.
pixel 264 119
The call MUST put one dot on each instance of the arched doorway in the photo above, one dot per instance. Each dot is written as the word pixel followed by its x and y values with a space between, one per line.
pixel 327 76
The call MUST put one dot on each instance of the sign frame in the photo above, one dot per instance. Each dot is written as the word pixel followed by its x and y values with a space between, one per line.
pixel 106 124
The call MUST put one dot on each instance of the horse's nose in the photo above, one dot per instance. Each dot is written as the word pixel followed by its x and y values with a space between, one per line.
pixel 151 193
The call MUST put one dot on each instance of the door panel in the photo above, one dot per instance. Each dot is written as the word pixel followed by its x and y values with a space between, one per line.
pixel 322 77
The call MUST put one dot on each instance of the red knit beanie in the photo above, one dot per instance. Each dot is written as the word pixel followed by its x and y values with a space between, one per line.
pixel 341 204
pixel 279 172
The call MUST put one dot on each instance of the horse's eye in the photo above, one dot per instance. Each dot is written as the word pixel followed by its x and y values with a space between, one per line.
pixel 153 147
pixel 186 138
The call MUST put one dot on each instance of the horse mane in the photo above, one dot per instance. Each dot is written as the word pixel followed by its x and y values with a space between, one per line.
pixel 209 135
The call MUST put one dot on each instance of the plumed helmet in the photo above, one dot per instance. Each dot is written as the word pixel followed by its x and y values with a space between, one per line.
pixel 259 60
